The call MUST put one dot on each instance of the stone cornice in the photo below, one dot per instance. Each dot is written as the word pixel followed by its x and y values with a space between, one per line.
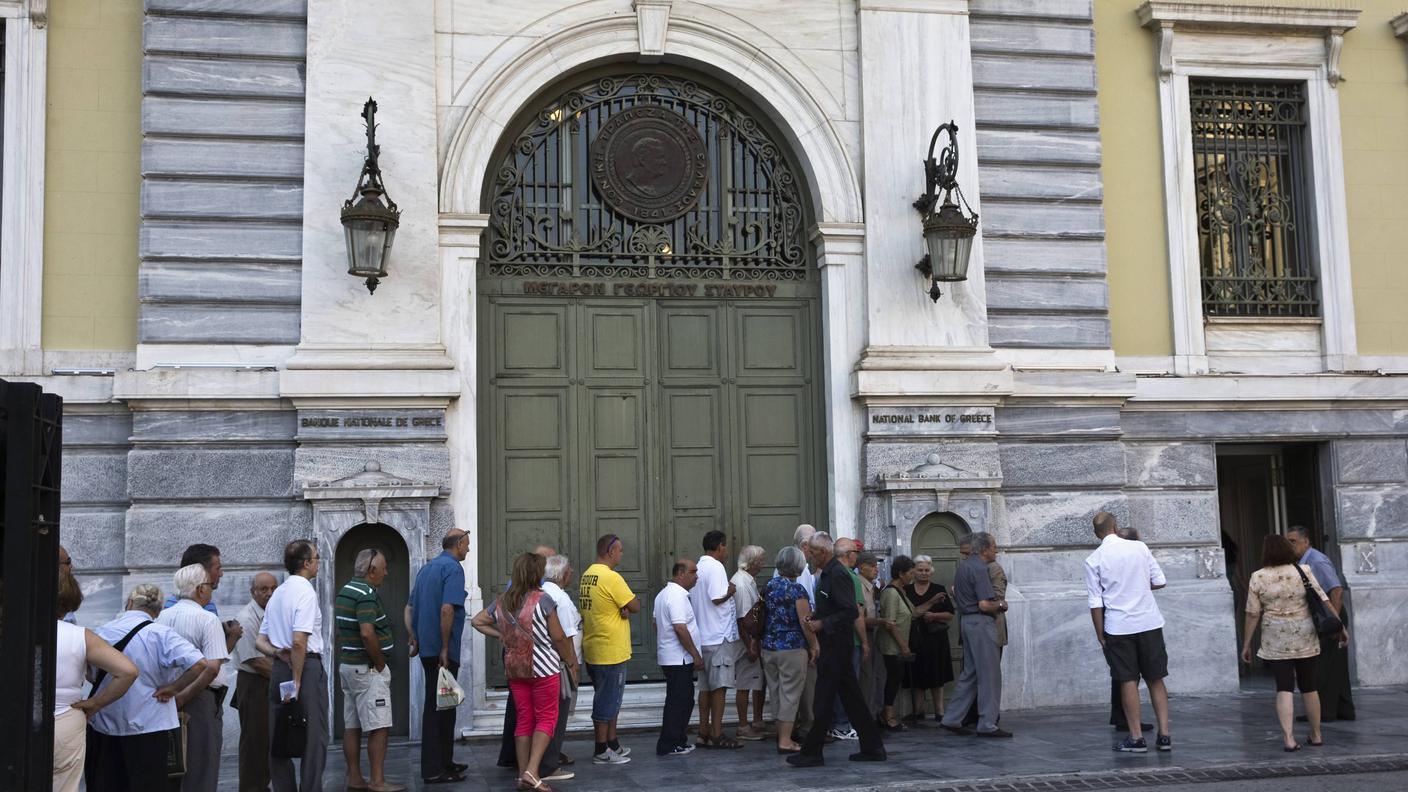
pixel 1168 16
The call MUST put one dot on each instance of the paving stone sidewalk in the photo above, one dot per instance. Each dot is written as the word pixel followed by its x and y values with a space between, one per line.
pixel 1221 738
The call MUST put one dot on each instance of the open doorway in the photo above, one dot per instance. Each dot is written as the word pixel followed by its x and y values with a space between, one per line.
pixel 394 592
pixel 1263 489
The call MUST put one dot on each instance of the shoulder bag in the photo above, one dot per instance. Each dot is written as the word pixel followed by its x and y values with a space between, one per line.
pixel 1326 623
pixel 518 649
pixel 751 625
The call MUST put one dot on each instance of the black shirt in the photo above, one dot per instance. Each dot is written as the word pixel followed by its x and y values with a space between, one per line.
pixel 836 601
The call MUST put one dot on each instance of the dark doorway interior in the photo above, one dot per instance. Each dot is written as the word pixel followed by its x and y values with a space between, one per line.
pixel 394 592
pixel 1263 489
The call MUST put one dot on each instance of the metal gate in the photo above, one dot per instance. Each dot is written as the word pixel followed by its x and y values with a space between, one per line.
pixel 31 431
pixel 648 335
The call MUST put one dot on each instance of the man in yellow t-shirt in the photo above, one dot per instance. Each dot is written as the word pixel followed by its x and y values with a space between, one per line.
pixel 607 603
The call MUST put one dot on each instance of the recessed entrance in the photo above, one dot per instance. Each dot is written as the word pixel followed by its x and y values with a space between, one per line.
pixel 394 592
pixel 648 334
pixel 937 536
pixel 1263 489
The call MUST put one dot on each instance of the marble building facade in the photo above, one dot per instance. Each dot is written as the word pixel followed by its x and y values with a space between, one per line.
pixel 268 396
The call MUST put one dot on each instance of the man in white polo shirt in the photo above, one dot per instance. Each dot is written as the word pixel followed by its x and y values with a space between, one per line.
pixel 292 634
pixel 677 650
pixel 1120 579
pixel 714 612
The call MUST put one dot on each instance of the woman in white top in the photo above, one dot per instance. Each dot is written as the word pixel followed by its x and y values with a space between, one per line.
pixel 748 672
pixel 75 648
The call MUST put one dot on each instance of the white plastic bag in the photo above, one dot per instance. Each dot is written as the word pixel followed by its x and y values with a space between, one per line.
pixel 449 694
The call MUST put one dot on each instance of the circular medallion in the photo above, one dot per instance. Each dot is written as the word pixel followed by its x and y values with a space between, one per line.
pixel 649 163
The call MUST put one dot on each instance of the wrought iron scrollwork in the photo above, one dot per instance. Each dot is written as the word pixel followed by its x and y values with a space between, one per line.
pixel 1253 198
pixel 549 219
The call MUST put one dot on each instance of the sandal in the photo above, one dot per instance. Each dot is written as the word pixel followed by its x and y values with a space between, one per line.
pixel 446 777
pixel 1314 743
pixel 785 751
pixel 1291 750
pixel 726 742
pixel 532 783
pixel 705 741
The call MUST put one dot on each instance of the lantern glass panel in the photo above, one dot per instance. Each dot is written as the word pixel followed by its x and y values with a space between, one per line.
pixel 367 243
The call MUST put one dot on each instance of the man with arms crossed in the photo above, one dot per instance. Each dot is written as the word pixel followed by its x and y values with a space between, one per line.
pixel 607 604
pixel 364 640
pixel 677 649
pixel 977 606
pixel 1120 579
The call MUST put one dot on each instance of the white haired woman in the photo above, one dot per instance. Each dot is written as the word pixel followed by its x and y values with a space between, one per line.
pixel 748 671
pixel 787 648
pixel 933 667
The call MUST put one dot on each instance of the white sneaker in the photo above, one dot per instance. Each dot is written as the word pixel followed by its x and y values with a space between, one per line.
pixel 560 775
pixel 848 734
pixel 609 757
pixel 624 750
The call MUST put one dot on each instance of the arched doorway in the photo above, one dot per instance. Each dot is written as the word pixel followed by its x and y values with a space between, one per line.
pixel 937 536
pixel 648 353
pixel 394 592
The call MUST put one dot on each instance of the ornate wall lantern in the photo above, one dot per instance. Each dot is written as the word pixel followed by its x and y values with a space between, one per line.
pixel 369 217
pixel 948 232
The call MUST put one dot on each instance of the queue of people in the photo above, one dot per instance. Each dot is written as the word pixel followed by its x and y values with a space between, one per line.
pixel 824 645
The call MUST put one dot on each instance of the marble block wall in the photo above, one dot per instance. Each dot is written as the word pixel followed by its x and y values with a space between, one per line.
pixel 92 520
pixel 1371 513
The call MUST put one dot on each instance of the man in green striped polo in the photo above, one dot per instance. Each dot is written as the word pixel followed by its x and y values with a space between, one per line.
pixel 363 644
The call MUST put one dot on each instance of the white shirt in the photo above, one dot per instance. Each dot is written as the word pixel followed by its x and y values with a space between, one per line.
pixel 294 608
pixel 567 615
pixel 717 624
pixel 745 592
pixel 251 616
pixel 1119 577
pixel 673 606
pixel 70 662
pixel 202 628
pixel 161 657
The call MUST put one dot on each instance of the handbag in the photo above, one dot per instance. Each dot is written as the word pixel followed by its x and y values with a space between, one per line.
pixel 290 735
pixel 753 622
pixel 518 640
pixel 1326 623
pixel 176 747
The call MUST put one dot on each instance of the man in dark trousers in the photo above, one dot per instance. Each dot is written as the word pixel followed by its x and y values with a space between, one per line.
pixel 1332 671
pixel 833 621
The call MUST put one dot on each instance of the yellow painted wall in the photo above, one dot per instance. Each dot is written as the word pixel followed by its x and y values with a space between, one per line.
pixel 92 174
pixel 1374 125
pixel 1132 171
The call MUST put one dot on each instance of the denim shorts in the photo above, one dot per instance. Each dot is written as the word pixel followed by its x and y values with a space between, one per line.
pixel 608 687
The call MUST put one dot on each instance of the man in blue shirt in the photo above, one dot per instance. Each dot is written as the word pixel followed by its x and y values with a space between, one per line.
pixel 1332 672
pixel 435 621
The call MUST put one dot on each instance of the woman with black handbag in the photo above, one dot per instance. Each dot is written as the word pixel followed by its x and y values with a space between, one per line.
pixel 1285 599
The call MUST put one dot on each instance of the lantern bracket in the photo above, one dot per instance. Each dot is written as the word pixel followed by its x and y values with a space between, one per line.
pixel 941 182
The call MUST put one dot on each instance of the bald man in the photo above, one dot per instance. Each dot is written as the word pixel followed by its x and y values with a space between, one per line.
pixel 252 687
pixel 435 620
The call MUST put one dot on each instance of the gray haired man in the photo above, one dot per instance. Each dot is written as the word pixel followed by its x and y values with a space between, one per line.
pixel 205 729
pixel 364 642
pixel 977 605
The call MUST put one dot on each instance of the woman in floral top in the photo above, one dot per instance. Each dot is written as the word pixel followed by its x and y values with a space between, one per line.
pixel 1289 645
pixel 787 648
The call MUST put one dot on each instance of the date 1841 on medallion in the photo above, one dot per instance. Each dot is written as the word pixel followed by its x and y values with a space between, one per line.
pixel 649 163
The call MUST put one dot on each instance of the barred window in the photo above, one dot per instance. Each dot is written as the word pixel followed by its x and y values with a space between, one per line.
pixel 1255 233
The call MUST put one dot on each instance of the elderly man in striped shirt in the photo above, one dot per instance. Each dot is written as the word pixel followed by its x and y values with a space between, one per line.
pixel 363 642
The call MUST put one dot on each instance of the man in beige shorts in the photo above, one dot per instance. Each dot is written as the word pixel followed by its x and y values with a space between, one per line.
pixel 364 641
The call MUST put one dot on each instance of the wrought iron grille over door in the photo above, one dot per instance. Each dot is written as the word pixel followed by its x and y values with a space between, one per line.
pixel 1255 228
pixel 645 175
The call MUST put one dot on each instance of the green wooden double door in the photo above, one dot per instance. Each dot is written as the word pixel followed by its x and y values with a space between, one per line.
pixel 654 420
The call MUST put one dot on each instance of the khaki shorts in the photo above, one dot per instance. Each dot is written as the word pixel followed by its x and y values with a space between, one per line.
pixel 720 662
pixel 366 697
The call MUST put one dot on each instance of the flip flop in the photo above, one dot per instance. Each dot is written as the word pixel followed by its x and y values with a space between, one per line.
pixel 1291 750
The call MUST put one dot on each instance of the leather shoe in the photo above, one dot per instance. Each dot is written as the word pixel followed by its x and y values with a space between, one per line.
pixel 868 757
pixel 956 729
pixel 804 760
pixel 1142 727
pixel 994 733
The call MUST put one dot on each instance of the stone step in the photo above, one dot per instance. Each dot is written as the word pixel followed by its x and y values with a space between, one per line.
pixel 640 708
